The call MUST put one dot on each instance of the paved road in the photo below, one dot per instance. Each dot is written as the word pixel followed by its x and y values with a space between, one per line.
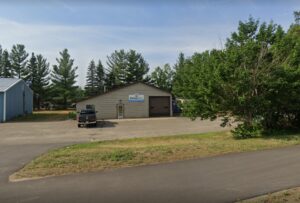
pixel 216 179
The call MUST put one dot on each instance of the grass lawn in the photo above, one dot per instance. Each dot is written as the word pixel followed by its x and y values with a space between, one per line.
pixel 288 196
pixel 42 116
pixel 97 156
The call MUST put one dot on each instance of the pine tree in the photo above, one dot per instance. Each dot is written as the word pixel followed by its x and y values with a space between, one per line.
pixel 63 78
pixel 38 72
pixel 90 86
pixel 297 17
pixel 180 61
pixel 31 70
pixel 42 80
pixel 137 67
pixel 18 58
pixel 117 67
pixel 7 70
pixel 178 80
pixel 126 67
pixel 100 78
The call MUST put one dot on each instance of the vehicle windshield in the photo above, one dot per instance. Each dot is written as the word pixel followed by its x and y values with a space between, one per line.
pixel 88 111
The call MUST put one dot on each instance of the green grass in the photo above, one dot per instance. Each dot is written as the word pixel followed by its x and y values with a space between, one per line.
pixel 97 156
pixel 42 116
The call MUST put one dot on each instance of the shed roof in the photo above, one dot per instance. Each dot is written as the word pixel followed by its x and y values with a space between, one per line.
pixel 6 83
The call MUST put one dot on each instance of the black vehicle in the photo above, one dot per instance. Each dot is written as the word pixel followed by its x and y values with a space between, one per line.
pixel 87 118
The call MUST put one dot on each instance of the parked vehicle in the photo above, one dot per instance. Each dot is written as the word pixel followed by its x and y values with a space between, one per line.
pixel 87 118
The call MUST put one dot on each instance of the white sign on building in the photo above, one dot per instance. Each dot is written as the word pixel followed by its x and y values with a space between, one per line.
pixel 136 97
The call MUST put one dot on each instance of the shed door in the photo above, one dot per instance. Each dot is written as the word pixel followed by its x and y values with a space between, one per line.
pixel 159 106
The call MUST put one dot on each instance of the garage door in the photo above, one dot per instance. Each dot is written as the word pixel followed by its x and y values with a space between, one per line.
pixel 159 106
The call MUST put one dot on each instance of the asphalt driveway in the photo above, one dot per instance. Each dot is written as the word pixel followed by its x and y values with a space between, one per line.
pixel 216 179
pixel 20 142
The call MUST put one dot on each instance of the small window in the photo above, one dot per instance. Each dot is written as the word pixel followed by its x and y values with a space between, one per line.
pixel 90 106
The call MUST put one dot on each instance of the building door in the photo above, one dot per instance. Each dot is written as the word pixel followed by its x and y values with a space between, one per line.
pixel 120 110
pixel 159 106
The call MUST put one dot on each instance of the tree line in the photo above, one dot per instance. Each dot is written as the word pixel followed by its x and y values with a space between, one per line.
pixel 57 85
pixel 254 80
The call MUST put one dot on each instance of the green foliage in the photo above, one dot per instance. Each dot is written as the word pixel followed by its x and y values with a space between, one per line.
pixel 72 115
pixel 254 80
pixel 125 67
pixel 163 77
pixel 244 130
pixel 18 58
pixel 63 79
pixel 100 78
pixel 5 66
pixel 95 80
pixel 90 87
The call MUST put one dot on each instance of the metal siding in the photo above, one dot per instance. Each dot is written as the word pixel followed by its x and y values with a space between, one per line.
pixel 14 101
pixel 1 106
pixel 14 98
pixel 106 104
pixel 28 100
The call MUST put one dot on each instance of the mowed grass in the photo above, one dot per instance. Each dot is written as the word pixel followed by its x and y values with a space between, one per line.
pixel 287 196
pixel 42 116
pixel 97 156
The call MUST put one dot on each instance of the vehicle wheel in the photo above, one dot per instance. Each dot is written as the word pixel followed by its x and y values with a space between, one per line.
pixel 79 125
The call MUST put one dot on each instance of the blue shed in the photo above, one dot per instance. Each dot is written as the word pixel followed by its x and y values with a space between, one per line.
pixel 16 98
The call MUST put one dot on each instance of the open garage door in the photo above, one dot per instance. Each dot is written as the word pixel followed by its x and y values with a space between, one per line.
pixel 159 106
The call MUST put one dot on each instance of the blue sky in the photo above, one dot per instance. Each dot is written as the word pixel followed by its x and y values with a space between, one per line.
pixel 158 29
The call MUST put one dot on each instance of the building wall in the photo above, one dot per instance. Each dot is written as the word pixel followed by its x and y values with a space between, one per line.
pixel 28 100
pixel 1 106
pixel 16 103
pixel 106 104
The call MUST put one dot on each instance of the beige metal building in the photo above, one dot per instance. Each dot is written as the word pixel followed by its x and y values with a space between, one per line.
pixel 136 100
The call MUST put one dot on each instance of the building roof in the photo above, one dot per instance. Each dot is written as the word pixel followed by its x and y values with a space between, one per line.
pixel 122 87
pixel 6 83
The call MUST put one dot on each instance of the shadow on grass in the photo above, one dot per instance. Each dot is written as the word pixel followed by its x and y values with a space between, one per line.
pixel 282 134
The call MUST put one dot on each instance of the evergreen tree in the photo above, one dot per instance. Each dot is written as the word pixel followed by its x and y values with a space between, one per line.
pixel 38 72
pixel 90 87
pixel 297 17
pixel 31 71
pixel 126 67
pixel 179 74
pixel 180 61
pixel 42 79
pixel 100 78
pixel 63 78
pixel 18 58
pixel 136 68
pixel 117 67
pixel 163 77
pixel 7 70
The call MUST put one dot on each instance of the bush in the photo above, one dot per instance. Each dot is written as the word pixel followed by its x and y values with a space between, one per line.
pixel 243 131
pixel 72 115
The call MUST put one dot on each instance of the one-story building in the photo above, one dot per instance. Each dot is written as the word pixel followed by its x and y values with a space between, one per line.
pixel 137 100
pixel 16 98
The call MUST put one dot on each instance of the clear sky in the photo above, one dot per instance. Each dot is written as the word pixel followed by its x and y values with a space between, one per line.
pixel 157 29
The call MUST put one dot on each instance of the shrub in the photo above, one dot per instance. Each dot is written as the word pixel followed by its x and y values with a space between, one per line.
pixel 243 131
pixel 72 115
